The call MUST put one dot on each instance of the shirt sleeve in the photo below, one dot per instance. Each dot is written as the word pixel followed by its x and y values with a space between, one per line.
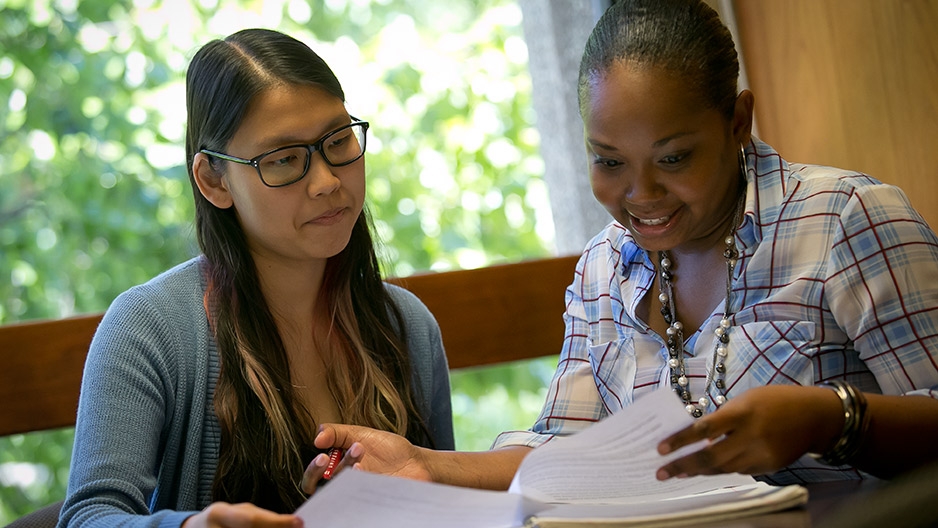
pixel 883 289
pixel 428 361
pixel 573 402
pixel 441 412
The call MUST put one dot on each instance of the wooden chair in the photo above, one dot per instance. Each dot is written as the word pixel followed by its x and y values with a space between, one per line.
pixel 489 315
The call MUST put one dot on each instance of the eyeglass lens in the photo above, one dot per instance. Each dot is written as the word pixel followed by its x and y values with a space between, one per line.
pixel 289 164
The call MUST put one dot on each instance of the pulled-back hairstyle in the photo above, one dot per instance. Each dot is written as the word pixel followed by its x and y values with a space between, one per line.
pixel 684 37
pixel 266 431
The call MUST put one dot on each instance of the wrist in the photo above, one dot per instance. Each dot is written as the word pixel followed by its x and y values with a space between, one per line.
pixel 426 459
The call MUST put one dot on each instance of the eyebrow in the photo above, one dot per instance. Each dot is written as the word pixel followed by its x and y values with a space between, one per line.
pixel 661 142
pixel 672 137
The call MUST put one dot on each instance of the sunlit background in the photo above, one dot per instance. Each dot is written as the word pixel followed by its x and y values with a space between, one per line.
pixel 94 196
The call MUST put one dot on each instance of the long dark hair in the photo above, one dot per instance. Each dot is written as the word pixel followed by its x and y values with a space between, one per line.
pixel 685 37
pixel 266 431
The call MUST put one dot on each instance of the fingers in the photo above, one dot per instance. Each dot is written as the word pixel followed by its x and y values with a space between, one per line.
pixel 313 473
pixel 723 456
pixel 353 455
pixel 337 435
pixel 245 515
pixel 323 467
pixel 705 428
pixel 341 459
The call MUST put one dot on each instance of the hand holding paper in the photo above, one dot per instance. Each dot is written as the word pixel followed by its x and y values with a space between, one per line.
pixel 604 474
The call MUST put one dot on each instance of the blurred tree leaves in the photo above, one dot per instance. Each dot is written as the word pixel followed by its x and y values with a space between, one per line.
pixel 94 196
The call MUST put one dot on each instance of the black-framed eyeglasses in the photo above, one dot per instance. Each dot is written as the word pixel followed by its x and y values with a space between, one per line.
pixel 285 165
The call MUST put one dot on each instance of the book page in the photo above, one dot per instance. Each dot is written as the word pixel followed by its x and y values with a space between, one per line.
pixel 355 498
pixel 614 461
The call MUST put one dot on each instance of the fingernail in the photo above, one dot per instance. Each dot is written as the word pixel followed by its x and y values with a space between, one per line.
pixel 355 450
pixel 662 474
pixel 321 460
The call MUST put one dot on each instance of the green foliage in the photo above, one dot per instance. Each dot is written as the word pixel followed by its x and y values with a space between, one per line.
pixel 490 400
pixel 94 195
pixel 35 471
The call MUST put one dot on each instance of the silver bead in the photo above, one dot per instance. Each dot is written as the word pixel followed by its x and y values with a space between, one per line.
pixel 672 363
pixel 682 381
pixel 703 401
pixel 721 351
pixel 665 263
pixel 690 408
pixel 677 325
pixel 729 241
pixel 719 331
pixel 663 297
pixel 724 323
pixel 671 331
pixel 720 399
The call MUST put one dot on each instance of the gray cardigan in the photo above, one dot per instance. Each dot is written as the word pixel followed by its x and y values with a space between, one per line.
pixel 147 438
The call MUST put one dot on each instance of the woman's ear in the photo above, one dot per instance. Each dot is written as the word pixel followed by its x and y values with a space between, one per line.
pixel 742 117
pixel 211 184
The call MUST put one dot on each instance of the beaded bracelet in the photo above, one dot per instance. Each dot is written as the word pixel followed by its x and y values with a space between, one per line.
pixel 856 423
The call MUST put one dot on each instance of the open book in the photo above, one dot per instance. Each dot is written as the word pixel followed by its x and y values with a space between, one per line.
pixel 603 475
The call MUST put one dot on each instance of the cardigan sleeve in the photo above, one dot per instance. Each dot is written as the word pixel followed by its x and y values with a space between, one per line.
pixel 126 392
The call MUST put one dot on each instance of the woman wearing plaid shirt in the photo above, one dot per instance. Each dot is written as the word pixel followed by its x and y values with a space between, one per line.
pixel 794 308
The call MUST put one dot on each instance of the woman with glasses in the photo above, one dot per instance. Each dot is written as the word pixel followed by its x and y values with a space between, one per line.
pixel 204 388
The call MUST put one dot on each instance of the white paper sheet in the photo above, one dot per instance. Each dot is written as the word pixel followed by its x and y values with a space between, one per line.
pixel 615 460
pixel 356 499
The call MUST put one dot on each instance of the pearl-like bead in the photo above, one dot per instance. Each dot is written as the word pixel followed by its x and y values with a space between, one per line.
pixel 674 339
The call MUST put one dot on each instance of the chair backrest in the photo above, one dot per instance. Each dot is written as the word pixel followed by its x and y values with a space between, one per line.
pixel 489 315
pixel 40 372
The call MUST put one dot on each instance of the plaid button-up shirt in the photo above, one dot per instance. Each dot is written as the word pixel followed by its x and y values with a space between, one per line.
pixel 837 279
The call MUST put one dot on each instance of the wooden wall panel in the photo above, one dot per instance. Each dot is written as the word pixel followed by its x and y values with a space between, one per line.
pixel 849 83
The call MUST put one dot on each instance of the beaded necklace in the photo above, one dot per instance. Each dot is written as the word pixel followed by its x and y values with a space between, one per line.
pixel 716 375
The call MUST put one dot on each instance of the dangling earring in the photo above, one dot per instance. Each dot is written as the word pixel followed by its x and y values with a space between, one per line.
pixel 742 162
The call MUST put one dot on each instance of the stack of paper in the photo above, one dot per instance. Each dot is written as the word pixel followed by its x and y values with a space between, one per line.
pixel 603 475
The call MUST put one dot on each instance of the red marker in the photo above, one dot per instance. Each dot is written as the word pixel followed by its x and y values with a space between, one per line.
pixel 335 455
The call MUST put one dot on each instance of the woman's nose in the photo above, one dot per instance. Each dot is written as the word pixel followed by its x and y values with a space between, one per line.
pixel 644 186
pixel 320 179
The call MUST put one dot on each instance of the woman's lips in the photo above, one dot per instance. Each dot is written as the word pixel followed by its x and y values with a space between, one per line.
pixel 329 217
pixel 653 225
pixel 652 221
